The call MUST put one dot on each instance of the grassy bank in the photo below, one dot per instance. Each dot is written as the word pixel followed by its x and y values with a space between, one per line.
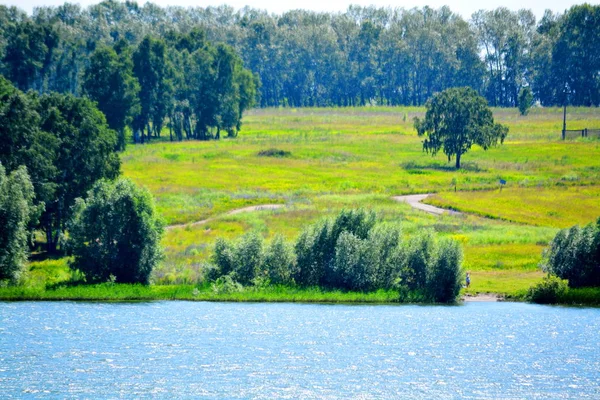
pixel 334 158
pixel 270 294
pixel 124 292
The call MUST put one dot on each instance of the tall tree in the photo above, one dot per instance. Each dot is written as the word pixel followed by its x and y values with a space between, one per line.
pixel 152 69
pixel 16 210
pixel 109 81
pixel 455 120
pixel 29 54
pixel 85 154
pixel 22 142
pixel 115 231
pixel 576 55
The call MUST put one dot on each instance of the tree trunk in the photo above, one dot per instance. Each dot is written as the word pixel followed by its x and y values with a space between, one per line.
pixel 458 161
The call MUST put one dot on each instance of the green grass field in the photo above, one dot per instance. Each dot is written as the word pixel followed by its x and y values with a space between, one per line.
pixel 360 157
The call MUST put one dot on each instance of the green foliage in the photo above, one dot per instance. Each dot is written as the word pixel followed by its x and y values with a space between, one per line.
pixel 549 291
pixel 279 261
pixel 115 232
pixel 417 255
pixel 243 260
pixel 109 81
pixel 152 68
pixel 574 255
pixel 213 89
pixel 16 210
pixel 384 255
pixel 349 264
pixel 576 56
pixel 364 56
pixel 455 120
pixel 24 143
pixel 65 143
pixel 444 275
pixel 349 252
pixel 85 153
pixel 249 257
pixel 29 53
pixel 525 100
pixel 316 246
pixel 274 153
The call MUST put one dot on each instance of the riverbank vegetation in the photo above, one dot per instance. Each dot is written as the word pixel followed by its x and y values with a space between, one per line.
pixel 572 262
pixel 360 157
pixel 351 252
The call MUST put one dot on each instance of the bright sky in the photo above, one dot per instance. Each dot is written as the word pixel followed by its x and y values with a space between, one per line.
pixel 463 7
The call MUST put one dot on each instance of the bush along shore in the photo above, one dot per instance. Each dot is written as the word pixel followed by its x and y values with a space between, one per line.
pixel 350 258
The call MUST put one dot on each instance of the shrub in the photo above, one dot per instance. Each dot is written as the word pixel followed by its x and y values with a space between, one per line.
pixel 307 272
pixel 279 261
pixel 417 254
pixel 444 275
pixel 574 254
pixel 524 100
pixel 115 231
pixel 16 210
pixel 350 253
pixel 226 284
pixel 549 291
pixel 224 258
pixel 384 255
pixel 274 153
pixel 350 264
pixel 241 260
pixel 249 257
pixel 316 247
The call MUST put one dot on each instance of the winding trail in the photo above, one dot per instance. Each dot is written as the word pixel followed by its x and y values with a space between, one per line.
pixel 415 201
pixel 232 212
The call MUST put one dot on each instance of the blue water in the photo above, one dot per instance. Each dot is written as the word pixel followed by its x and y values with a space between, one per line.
pixel 295 351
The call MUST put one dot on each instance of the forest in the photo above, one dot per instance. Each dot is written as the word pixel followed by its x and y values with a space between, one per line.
pixel 364 56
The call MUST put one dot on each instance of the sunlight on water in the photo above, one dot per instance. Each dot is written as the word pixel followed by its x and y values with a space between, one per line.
pixel 291 351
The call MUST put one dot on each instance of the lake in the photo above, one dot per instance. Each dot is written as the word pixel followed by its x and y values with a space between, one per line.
pixel 298 351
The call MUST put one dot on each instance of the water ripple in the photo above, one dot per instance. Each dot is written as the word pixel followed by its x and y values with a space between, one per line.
pixel 290 351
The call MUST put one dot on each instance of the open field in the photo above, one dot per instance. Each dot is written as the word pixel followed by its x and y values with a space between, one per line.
pixel 360 157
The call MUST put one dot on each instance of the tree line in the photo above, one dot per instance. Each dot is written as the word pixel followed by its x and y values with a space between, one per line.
pixel 201 88
pixel 365 55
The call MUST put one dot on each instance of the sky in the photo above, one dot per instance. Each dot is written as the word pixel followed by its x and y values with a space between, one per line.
pixel 463 7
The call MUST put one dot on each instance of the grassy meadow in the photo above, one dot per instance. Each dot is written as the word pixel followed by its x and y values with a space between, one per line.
pixel 359 157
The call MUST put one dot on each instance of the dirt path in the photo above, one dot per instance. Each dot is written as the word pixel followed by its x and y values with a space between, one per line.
pixel 415 201
pixel 232 212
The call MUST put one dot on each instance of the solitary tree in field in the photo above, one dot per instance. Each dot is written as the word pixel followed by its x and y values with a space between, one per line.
pixel 525 100
pixel 456 119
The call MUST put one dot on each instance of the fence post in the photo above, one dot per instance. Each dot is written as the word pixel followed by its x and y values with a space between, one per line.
pixel 564 131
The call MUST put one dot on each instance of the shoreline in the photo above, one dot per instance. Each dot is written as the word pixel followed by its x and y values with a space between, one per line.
pixel 275 294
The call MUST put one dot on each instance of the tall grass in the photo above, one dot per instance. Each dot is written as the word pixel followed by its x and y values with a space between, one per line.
pixel 360 157
pixel 125 292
